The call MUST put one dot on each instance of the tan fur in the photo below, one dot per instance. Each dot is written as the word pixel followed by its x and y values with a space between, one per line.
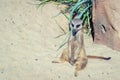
pixel 81 58
pixel 75 54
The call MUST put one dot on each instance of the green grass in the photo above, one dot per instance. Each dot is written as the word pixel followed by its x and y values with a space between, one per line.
pixel 83 8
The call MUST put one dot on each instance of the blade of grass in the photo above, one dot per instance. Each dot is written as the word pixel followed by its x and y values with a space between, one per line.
pixel 84 11
pixel 76 6
pixel 64 41
pixel 60 27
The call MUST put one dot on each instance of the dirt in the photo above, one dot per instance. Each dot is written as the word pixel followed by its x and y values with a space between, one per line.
pixel 28 45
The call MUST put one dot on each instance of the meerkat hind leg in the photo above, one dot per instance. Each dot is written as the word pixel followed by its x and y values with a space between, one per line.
pixel 81 61
pixel 63 57
pixel 81 64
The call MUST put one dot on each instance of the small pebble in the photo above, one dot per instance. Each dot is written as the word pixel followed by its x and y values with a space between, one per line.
pixel 89 76
pixel 5 19
pixel 11 43
pixel 107 73
pixel 2 72
pixel 36 59
pixel 58 76
pixel 102 72
pixel 13 22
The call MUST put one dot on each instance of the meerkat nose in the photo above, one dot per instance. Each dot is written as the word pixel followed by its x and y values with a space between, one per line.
pixel 74 32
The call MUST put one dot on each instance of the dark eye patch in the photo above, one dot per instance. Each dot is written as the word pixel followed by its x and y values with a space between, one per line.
pixel 77 26
pixel 72 25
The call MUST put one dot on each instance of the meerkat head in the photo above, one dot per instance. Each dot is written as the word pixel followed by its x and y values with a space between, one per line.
pixel 75 26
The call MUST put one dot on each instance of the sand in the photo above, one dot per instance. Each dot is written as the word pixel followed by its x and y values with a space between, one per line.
pixel 28 45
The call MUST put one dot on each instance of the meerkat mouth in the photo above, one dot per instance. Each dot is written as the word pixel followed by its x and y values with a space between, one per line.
pixel 74 31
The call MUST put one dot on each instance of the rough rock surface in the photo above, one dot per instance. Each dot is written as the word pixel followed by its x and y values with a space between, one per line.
pixel 106 20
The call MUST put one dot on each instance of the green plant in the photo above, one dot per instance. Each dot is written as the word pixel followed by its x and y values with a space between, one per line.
pixel 83 8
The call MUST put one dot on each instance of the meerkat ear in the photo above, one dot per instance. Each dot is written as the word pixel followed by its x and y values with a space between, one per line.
pixel 81 22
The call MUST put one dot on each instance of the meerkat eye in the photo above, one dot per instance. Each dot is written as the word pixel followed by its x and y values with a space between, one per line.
pixel 77 26
pixel 72 25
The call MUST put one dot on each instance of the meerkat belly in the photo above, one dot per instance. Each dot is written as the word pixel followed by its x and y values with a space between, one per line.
pixel 75 50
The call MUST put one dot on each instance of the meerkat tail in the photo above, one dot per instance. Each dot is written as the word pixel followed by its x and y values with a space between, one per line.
pixel 99 57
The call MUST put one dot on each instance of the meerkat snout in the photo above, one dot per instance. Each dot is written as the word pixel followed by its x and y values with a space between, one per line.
pixel 74 31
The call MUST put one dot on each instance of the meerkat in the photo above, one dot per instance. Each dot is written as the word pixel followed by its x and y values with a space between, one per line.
pixel 75 54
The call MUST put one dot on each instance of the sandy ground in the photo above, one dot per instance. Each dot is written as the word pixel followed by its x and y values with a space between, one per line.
pixel 28 45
